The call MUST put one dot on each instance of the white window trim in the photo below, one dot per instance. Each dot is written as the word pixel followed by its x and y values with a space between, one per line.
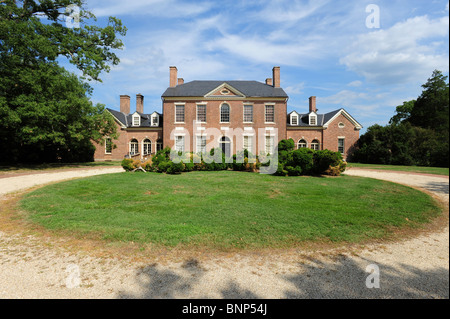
pixel 131 143
pixel 157 120
pixel 196 142
pixel 184 142
pixel 136 116
pixel 220 113
pixel 243 112
pixel 313 115
pixel 106 141
pixel 302 139
pixel 175 112
pixel 341 138
pixel 292 116
pixel 249 137
pixel 151 146
pixel 265 112
pixel 313 143
pixel 196 112
pixel 265 143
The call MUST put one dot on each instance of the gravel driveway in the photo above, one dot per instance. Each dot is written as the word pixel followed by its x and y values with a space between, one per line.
pixel 35 267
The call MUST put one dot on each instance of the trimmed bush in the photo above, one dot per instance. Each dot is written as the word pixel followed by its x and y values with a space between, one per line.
pixel 127 164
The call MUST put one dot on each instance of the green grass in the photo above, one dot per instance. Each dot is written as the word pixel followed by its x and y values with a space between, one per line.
pixel 413 169
pixel 227 209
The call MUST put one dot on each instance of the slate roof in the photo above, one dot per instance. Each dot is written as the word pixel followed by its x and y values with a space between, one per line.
pixel 126 119
pixel 248 88
pixel 303 119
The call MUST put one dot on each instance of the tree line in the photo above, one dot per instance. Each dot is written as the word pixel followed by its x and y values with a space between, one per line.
pixel 418 133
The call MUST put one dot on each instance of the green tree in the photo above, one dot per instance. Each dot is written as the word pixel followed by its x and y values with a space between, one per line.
pixel 403 112
pixel 431 108
pixel 45 111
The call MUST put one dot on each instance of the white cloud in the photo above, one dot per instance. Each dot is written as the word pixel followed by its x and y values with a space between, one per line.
pixel 356 83
pixel 408 51
pixel 158 8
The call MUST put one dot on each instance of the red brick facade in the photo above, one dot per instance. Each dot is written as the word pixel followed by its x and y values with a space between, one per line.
pixel 265 115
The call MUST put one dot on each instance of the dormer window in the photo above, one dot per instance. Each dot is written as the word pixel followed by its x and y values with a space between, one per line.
pixel 155 120
pixel 294 119
pixel 313 119
pixel 136 120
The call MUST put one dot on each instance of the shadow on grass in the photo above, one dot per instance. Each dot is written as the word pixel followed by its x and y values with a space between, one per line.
pixel 342 278
pixel 47 166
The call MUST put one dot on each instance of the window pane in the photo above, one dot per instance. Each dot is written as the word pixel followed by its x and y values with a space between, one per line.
pixel 294 120
pixel 201 144
pixel 147 147
pixel 269 144
pixel 312 120
pixel 179 143
pixel 108 146
pixel 136 121
pixel 225 113
pixel 134 147
pixel 179 115
pixel 248 143
pixel 248 113
pixel 302 144
pixel 341 145
pixel 201 113
pixel 270 113
pixel 315 145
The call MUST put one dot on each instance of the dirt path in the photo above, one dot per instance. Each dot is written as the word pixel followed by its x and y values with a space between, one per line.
pixel 36 267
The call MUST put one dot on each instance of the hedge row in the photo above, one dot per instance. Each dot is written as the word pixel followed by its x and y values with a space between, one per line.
pixel 290 162
pixel 305 161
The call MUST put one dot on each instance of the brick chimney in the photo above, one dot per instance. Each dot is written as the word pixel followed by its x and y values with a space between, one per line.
pixel 276 77
pixel 173 76
pixel 312 104
pixel 140 103
pixel 180 81
pixel 269 81
pixel 125 104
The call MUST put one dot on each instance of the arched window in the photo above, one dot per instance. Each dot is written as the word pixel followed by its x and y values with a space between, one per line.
pixel 302 144
pixel 147 146
pixel 134 147
pixel 225 113
pixel 315 145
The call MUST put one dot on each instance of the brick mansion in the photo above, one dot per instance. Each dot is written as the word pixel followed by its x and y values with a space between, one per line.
pixel 232 115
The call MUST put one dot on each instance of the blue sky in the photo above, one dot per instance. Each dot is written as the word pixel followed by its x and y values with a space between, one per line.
pixel 324 48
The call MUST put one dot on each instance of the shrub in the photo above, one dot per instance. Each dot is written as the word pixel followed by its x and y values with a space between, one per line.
pixel 325 159
pixel 303 158
pixel 162 166
pixel 175 168
pixel 147 165
pixel 127 164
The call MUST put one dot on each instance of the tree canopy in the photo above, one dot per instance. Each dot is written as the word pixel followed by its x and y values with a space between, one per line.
pixel 418 134
pixel 45 111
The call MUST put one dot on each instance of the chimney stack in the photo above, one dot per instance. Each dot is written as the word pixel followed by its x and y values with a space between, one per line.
pixel 173 76
pixel 276 76
pixel 180 81
pixel 312 104
pixel 140 103
pixel 125 104
pixel 269 81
